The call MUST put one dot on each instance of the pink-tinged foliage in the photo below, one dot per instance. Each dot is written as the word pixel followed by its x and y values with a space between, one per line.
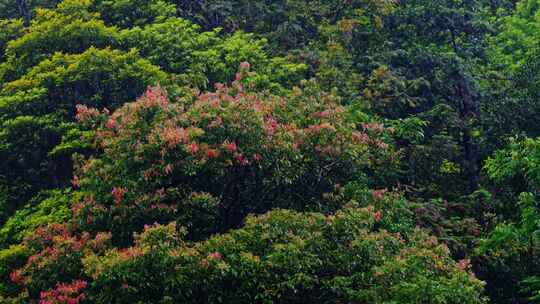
pixel 247 150
pixel 118 193
pixel 215 256
pixel 193 148
pixel 212 153
pixel 377 216
pixel 379 194
pixel 16 277
pixel 231 147
pixel 84 113
pixel 173 136
pixel 257 157
pixel 57 260
pixel 375 127
pixel 65 293
pixel 464 264
pixel 155 96
pixel 245 66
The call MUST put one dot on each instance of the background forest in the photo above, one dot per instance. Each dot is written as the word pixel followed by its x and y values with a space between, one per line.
pixel 270 151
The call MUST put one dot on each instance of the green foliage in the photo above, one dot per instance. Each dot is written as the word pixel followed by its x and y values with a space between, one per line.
pixel 425 66
pixel 519 35
pixel 288 24
pixel 514 77
pixel 46 208
pixel 442 25
pixel 71 29
pixel 10 29
pixel 11 258
pixel 24 145
pixel 512 250
pixel 129 13
pixel 531 286
pixel 49 92
pixel 23 9
pixel 97 77
pixel 204 58
pixel 284 256
pixel 302 177
pixel 519 159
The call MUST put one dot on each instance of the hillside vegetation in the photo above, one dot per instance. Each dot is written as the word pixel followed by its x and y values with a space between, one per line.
pixel 255 151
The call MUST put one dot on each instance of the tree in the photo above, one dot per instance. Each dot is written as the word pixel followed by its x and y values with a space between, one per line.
pixel 130 13
pixel 212 158
pixel 24 9
pixel 37 109
pixel 203 58
pixel 280 256
pixel 511 251
pixel 71 28
pixel 514 80
pixel 432 52
pixel 284 256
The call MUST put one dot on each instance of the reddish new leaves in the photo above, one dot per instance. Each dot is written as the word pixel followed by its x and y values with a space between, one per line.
pixel 250 150
pixel 65 293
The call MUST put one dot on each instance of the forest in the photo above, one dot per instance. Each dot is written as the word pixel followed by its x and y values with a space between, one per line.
pixel 269 151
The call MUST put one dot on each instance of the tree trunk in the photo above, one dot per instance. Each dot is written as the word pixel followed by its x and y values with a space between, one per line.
pixel 469 114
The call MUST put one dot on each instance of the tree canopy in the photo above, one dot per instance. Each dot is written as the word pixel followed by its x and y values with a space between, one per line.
pixel 235 151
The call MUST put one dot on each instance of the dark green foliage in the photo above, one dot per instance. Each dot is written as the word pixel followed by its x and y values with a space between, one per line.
pixel 511 251
pixel 24 146
pixel 129 13
pixel 23 9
